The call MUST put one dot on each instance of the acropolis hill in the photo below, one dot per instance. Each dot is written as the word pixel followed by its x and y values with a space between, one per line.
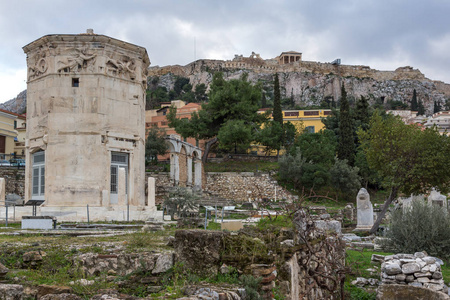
pixel 311 82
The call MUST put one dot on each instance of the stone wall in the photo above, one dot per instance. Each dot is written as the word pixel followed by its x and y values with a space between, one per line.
pixel 240 187
pixel 245 186
pixel 309 266
pixel 236 186
pixel 124 263
pixel 15 180
pixel 416 269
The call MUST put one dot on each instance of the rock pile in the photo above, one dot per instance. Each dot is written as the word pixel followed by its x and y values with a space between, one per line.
pixel 417 269
pixel 3 271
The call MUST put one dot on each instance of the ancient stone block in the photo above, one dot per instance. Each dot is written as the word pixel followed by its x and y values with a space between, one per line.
pixel 410 268
pixel 199 250
pixel 11 292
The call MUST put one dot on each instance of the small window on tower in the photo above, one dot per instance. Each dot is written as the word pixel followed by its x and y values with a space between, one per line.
pixel 75 82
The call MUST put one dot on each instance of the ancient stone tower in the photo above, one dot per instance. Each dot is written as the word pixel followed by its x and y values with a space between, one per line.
pixel 85 121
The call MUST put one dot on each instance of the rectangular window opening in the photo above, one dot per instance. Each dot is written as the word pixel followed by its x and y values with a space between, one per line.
pixel 75 82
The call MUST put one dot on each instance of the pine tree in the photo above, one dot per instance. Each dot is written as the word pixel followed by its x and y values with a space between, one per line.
pixel 346 147
pixel 277 113
pixel 414 104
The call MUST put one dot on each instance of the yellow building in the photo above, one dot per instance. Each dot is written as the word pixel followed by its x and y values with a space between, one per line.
pixel 20 124
pixel 304 120
pixel 309 120
pixel 7 133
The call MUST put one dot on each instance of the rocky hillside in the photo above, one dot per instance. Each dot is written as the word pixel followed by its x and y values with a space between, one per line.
pixel 17 105
pixel 305 83
pixel 309 83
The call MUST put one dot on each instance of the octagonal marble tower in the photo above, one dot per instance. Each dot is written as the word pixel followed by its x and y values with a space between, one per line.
pixel 85 121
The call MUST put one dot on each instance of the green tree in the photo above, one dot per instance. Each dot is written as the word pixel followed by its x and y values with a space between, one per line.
pixel 188 97
pixel 277 112
pixel 344 178
pixel 179 84
pixel 447 104
pixel 362 113
pixel 437 107
pixel 414 103
pixel 368 176
pixel 292 168
pixel 316 157
pixel 155 96
pixel 200 92
pixel 236 99
pixel 408 159
pixel 234 134
pixel 421 109
pixel 289 135
pixel 263 100
pixel 318 148
pixel 155 144
pixel 270 136
pixel 346 147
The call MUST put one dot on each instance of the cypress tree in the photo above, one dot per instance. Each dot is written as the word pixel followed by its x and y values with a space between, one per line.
pixel 263 100
pixel 292 99
pixel 437 107
pixel 362 111
pixel 277 113
pixel 414 104
pixel 420 109
pixel 346 147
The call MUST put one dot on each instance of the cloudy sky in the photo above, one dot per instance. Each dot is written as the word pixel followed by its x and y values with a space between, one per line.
pixel 383 34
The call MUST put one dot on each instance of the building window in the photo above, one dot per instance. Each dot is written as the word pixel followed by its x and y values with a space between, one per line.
pixel 309 129
pixel 75 82
pixel 291 114
pixel 38 176
pixel 311 113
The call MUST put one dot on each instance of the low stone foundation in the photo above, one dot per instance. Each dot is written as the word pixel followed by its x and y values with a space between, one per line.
pixel 417 269
pixel 80 214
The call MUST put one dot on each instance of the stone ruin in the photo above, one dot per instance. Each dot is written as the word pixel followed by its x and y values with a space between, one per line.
pixel 416 269
pixel 436 198
pixel 185 163
pixel 364 211
pixel 86 126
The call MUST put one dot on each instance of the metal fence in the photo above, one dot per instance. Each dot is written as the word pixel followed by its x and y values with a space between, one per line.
pixel 7 207
pixel 12 160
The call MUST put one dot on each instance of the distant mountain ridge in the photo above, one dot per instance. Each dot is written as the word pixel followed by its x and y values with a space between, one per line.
pixel 16 105
pixel 309 83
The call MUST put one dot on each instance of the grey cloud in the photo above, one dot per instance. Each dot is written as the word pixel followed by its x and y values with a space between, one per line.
pixel 382 34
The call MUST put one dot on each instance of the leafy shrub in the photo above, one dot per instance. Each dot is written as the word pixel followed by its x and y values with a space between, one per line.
pixel 252 288
pixel 420 227
pixel 345 178
pixel 181 201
